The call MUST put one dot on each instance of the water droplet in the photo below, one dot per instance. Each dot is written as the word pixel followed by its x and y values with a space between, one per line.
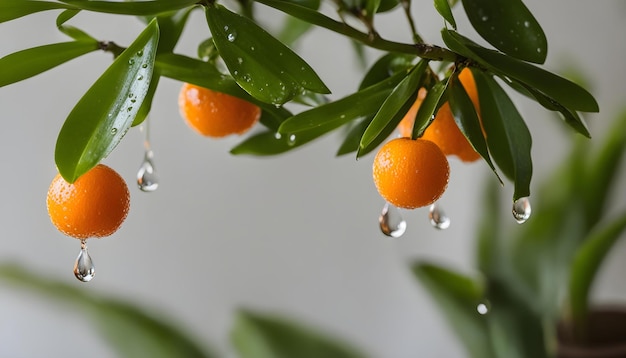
pixel 483 307
pixel 231 36
pixel 131 61
pixel 391 222
pixel 251 48
pixel 84 269
pixel 140 77
pixel 146 176
pixel 538 49
pixel 521 210
pixel 145 65
pixel 526 24
pixel 140 53
pixel 438 218
pixel 292 139
pixel 485 18
pixel 113 130
pixel 277 135
pixel 239 60
pixel 225 27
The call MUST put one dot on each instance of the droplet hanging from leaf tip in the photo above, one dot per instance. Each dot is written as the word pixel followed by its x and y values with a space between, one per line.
pixel 521 210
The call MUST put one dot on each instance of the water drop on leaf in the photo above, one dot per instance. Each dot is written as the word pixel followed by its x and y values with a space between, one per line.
pixel 521 210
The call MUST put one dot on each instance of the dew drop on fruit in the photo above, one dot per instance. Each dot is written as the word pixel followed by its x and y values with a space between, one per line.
pixel 146 176
pixel 438 218
pixel 84 269
pixel 521 210
pixel 391 222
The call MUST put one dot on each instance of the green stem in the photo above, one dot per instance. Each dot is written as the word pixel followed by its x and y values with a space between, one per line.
pixel 112 47
pixel 429 52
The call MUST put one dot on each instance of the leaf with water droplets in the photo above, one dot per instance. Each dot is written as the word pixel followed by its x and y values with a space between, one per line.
pixel 509 26
pixel 261 65
pixel 104 114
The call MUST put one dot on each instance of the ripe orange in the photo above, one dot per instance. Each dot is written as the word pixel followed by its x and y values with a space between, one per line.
pixel 216 114
pixel 444 131
pixel 410 173
pixel 95 205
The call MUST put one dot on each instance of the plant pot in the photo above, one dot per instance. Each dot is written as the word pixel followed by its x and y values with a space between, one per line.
pixel 605 336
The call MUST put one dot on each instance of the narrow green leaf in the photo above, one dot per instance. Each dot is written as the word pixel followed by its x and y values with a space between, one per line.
pixel 260 64
pixel 152 335
pixel 293 28
pixel 430 105
pixel 509 26
pixel 443 8
pixel 488 248
pixel 558 88
pixel 405 92
pixel 385 67
pixel 263 336
pixel 172 25
pixel 13 9
pixel 508 136
pixel 467 120
pixel 200 73
pixel 457 296
pixel 356 105
pixel 72 31
pixel 386 131
pixel 371 8
pixel 136 8
pixel 353 136
pixel 587 262
pixel 24 64
pixel 105 113
pixel 146 106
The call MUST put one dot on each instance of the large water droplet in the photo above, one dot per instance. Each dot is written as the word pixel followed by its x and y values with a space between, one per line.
pixel 391 222
pixel 147 179
pixel 84 269
pixel 231 36
pixel 521 210
pixel 438 218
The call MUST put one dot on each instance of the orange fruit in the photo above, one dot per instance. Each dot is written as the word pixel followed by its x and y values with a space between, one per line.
pixel 443 130
pixel 95 205
pixel 410 173
pixel 216 114
pixel 405 127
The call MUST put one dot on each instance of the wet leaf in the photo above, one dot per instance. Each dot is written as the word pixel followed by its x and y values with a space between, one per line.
pixel 509 26
pixel 443 8
pixel 105 113
pixel 395 105
pixel 507 135
pixel 260 64
pixel 263 336
pixel 136 8
pixel 24 64
pixel 13 9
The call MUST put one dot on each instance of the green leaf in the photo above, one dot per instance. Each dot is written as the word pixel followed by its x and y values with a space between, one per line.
pixel 508 137
pixel 72 31
pixel 457 296
pixel 146 106
pixel 353 136
pixel 385 67
pixel 467 120
pixel 509 26
pixel 342 111
pixel 205 75
pixel 488 248
pixel 395 106
pixel 24 64
pixel 260 64
pixel 443 8
pixel 171 26
pixel 13 9
pixel 263 336
pixel 430 105
pixel 136 8
pixel 587 262
pixel 559 89
pixel 152 335
pixel 105 113
pixel 293 28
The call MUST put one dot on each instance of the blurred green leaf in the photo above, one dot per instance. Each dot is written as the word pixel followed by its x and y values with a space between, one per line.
pixel 104 114
pixel 353 136
pixel 72 31
pixel 395 106
pixel 458 296
pixel 129 330
pixel 203 74
pixel 587 262
pixel 509 26
pixel 555 87
pixel 13 9
pixel 293 28
pixel 136 8
pixel 385 67
pixel 24 64
pixel 171 26
pixel 508 137
pixel 443 8
pixel 264 336
pixel 260 64
pixel 371 8
pixel 489 247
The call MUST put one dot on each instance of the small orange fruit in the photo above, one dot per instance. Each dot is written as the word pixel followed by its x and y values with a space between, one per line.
pixel 216 114
pixel 443 130
pixel 95 205
pixel 410 173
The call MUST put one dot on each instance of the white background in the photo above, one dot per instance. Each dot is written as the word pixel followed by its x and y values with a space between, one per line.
pixel 295 234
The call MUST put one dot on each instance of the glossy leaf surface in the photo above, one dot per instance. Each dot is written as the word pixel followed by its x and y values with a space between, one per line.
pixel 443 8
pixel 136 8
pixel 263 336
pixel 28 63
pixel 426 113
pixel 509 26
pixel 261 65
pixel 13 9
pixel 507 135
pixel 105 113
